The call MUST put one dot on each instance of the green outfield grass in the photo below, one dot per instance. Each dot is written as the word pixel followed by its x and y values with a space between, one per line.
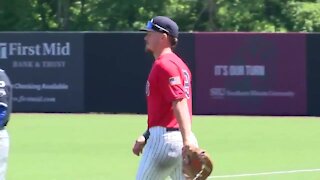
pixel 98 147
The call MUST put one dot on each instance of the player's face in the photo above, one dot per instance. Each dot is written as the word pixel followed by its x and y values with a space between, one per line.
pixel 152 40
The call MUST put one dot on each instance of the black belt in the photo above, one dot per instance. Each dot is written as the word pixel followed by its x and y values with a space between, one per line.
pixel 172 129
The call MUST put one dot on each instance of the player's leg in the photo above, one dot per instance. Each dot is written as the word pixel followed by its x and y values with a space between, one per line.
pixel 177 173
pixel 149 167
pixel 4 152
pixel 160 155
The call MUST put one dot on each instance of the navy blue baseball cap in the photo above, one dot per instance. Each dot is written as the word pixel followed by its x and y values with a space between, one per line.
pixel 162 24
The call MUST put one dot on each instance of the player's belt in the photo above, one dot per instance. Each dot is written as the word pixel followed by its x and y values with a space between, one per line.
pixel 172 129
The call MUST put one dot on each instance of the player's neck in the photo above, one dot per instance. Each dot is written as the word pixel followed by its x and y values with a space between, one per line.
pixel 161 52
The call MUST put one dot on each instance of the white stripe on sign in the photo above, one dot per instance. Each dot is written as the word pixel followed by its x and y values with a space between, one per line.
pixel 265 173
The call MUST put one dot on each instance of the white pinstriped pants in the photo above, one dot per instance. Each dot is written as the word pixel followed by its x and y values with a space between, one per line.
pixel 161 156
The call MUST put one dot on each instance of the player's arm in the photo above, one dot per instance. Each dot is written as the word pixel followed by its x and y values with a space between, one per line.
pixel 3 114
pixel 5 98
pixel 174 91
pixel 181 112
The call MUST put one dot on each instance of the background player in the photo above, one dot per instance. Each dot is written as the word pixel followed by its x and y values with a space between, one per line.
pixel 5 111
pixel 169 101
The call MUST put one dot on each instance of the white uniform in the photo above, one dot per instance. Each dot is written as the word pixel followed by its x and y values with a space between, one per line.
pixel 6 108
pixel 4 152
pixel 162 157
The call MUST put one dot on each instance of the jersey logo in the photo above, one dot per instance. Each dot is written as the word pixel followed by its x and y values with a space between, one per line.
pixel 147 88
pixel 174 80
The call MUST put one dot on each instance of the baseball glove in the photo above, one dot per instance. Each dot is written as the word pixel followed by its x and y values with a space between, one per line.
pixel 197 164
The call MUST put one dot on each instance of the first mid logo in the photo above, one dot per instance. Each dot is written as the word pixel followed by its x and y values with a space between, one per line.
pixel 3 51
pixel 40 49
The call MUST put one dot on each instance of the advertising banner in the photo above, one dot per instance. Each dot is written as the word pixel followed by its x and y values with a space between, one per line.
pixel 250 73
pixel 46 70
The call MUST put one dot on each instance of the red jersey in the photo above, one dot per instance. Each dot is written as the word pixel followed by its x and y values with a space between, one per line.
pixel 169 80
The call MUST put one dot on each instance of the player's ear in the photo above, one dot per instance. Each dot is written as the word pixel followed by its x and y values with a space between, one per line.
pixel 164 36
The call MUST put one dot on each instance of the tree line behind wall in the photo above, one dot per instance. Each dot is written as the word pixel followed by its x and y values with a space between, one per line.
pixel 191 15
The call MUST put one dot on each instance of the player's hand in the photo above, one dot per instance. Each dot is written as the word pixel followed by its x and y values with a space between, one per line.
pixel 185 156
pixel 187 146
pixel 139 145
pixel 187 141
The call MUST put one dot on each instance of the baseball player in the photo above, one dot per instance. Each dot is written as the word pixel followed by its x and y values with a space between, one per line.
pixel 5 111
pixel 169 95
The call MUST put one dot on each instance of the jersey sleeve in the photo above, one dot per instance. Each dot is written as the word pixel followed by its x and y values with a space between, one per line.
pixel 170 81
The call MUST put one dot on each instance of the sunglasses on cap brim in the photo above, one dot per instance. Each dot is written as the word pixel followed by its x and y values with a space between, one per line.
pixel 155 27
